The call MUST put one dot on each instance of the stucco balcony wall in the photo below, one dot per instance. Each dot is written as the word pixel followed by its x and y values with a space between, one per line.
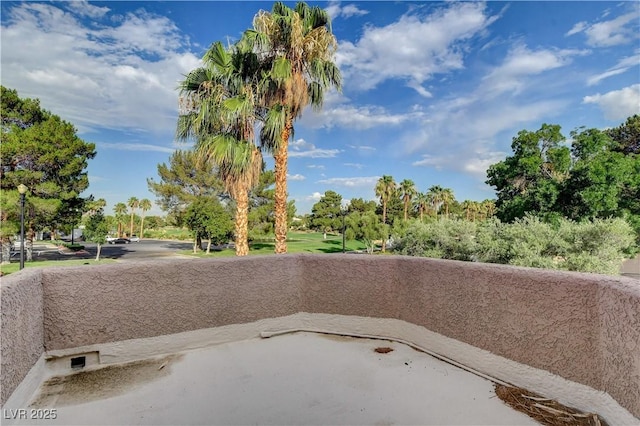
pixel 582 327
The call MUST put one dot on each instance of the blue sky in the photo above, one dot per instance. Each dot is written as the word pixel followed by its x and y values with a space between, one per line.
pixel 433 92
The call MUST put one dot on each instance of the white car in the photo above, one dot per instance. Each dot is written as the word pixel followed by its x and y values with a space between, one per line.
pixel 110 238
pixel 134 239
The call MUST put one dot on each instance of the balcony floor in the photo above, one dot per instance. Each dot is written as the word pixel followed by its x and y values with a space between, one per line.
pixel 299 378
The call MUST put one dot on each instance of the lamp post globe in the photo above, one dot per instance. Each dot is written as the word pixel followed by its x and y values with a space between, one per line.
pixel 22 189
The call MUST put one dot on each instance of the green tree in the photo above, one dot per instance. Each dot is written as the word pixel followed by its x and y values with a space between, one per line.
pixel 183 180
pixel 435 198
pixel 627 136
pixel 133 204
pixel 120 209
pixel 208 219
pixel 360 205
pixel 96 229
pixel 447 198
pixel 386 190
pixel 326 214
pixel 365 227
pixel 43 152
pixel 408 191
pixel 298 47
pixel 422 204
pixel 145 205
pixel 220 103
pixel 531 179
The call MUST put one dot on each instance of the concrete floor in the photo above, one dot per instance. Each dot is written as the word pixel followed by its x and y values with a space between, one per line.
pixel 294 379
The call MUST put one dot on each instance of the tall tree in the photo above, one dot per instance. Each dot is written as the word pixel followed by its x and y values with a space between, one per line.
pixel 96 227
pixel 447 199
pixel 183 180
pixel 408 191
pixel 43 152
pixel 299 47
pixel 145 205
pixel 219 106
pixel 531 179
pixel 435 197
pixel 208 219
pixel 326 214
pixel 120 209
pixel 422 204
pixel 385 190
pixel 133 204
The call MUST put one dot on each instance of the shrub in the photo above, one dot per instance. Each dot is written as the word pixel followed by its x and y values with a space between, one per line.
pixel 598 246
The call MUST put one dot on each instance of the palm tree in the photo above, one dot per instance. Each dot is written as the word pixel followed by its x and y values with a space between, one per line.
pixel 120 210
pixel 385 189
pixel 434 195
pixel 422 203
pixel 467 206
pixel 133 204
pixel 447 198
pixel 145 205
pixel 299 47
pixel 408 190
pixel 489 207
pixel 219 107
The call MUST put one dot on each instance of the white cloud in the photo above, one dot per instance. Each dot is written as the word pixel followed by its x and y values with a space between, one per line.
pixel 522 62
pixel 296 177
pixel 620 30
pixel 335 10
pixel 128 64
pixel 316 166
pixel 613 32
pixel 136 147
pixel 621 67
pixel 579 27
pixel 354 165
pixel 314 197
pixel 302 148
pixel 360 117
pixel 414 48
pixel 83 8
pixel 363 148
pixel 617 104
pixel 351 182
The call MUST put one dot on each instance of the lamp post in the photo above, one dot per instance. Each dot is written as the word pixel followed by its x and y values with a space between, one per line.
pixel 22 189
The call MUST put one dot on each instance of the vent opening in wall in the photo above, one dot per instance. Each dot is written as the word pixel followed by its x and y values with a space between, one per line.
pixel 78 362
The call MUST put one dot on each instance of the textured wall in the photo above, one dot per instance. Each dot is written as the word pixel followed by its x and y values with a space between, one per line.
pixel 21 330
pixel 109 303
pixel 583 327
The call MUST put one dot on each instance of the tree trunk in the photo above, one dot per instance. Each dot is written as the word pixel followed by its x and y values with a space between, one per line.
pixel 242 222
pixel 131 227
pixel 280 208
pixel 28 244
pixel 142 226
pixel 6 250
pixel 195 244
pixel 384 222
pixel 406 207
pixel 98 252
pixel 208 245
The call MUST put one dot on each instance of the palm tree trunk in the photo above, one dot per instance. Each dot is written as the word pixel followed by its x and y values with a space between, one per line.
pixel 280 201
pixel 242 222
pixel 406 206
pixel 384 222
pixel 142 226
pixel 98 252
pixel 131 227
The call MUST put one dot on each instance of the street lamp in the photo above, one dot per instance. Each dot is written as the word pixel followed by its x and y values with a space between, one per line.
pixel 22 189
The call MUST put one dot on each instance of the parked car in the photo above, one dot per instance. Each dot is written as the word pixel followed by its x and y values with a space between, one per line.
pixel 134 239
pixel 120 241
pixel 109 238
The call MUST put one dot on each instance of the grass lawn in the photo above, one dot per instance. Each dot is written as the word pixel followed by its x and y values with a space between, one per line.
pixel 15 266
pixel 297 242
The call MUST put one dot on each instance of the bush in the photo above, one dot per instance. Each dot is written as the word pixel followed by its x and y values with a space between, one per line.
pixel 589 246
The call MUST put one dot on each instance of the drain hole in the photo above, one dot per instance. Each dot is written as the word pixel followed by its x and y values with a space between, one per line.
pixel 78 362
pixel 383 350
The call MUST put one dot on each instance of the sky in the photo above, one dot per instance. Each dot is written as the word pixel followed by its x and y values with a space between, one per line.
pixel 432 91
